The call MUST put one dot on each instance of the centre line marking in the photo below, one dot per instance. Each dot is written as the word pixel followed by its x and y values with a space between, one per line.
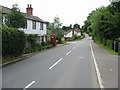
pixel 96 68
pixel 73 48
pixel 29 85
pixel 68 52
pixel 55 63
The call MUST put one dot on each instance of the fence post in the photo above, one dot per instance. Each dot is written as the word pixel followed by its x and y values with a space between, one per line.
pixel 119 47
pixel 114 45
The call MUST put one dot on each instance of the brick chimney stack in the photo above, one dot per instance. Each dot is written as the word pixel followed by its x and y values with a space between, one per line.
pixel 29 9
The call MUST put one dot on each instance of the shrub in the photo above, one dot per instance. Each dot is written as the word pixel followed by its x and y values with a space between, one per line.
pixel 63 41
pixel 74 37
pixel 13 41
pixel 37 47
pixel 43 43
pixel 57 42
pixel 27 50
pixel 49 46
pixel 32 40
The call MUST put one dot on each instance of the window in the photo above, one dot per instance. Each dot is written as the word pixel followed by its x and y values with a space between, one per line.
pixel 33 24
pixel 41 26
pixel 25 25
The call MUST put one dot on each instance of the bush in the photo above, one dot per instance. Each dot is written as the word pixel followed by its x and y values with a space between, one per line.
pixel 63 41
pixel 37 47
pixel 57 41
pixel 74 37
pixel 27 50
pixel 49 46
pixel 32 39
pixel 44 44
pixel 13 41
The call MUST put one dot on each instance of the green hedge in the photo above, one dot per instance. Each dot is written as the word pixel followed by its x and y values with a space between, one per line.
pixel 13 42
pixel 109 43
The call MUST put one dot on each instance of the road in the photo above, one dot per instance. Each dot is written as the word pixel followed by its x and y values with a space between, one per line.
pixel 68 66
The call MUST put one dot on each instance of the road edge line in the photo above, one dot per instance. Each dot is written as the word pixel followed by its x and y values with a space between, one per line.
pixel 96 68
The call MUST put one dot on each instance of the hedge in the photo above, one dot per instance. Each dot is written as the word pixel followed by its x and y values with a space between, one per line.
pixel 13 41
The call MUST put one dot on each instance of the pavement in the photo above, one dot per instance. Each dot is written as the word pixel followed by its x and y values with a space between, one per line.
pixel 68 66
pixel 108 66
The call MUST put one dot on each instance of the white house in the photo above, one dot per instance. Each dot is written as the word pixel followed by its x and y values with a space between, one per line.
pixel 70 33
pixel 77 32
pixel 35 25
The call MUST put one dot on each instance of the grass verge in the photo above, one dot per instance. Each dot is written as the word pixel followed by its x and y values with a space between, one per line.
pixel 109 50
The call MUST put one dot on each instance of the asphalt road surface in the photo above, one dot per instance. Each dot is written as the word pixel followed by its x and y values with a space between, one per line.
pixel 68 66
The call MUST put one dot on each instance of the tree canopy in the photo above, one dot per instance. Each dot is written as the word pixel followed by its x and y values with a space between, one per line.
pixel 15 18
pixel 104 22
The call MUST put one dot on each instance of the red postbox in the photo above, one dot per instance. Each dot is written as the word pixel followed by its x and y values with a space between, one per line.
pixel 53 39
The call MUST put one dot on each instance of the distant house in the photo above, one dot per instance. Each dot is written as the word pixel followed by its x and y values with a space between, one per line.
pixel 77 32
pixel 70 33
pixel 35 25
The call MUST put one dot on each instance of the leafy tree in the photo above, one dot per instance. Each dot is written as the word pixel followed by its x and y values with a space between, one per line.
pixel 67 27
pixel 57 23
pixel 103 23
pixel 15 18
pixel 76 26
pixel 54 27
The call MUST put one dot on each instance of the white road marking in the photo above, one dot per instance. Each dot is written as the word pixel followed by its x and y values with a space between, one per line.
pixel 29 85
pixel 73 48
pixel 82 57
pixel 111 70
pixel 68 52
pixel 55 63
pixel 96 68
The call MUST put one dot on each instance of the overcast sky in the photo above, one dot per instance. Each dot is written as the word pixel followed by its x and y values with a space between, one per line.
pixel 69 11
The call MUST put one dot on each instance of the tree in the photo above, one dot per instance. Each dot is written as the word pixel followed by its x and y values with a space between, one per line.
pixel 114 9
pixel 76 26
pixel 103 23
pixel 57 23
pixel 54 27
pixel 15 18
pixel 67 27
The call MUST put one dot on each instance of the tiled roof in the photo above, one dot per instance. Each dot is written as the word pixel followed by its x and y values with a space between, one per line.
pixel 31 17
pixel 77 30
pixel 5 9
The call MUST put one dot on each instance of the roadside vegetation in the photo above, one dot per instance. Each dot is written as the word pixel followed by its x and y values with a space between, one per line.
pixel 13 40
pixel 16 43
pixel 55 28
pixel 103 25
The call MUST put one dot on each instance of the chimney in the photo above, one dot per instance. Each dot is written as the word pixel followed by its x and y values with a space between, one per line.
pixel 29 9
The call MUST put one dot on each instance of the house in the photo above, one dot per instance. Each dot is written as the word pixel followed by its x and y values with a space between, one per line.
pixel 35 25
pixel 70 33
pixel 77 32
